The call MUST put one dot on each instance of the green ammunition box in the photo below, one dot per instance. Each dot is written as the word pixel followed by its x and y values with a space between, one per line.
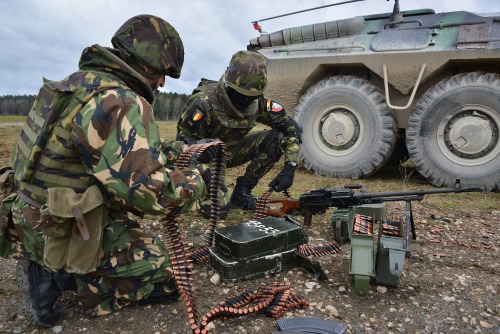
pixel 377 211
pixel 391 255
pixel 231 270
pixel 342 219
pixel 258 238
pixel 362 262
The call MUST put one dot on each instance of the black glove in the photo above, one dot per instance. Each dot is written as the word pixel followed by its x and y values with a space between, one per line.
pixel 209 153
pixel 284 179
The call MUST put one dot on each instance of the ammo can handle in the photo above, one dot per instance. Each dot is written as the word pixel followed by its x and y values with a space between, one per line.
pixel 224 249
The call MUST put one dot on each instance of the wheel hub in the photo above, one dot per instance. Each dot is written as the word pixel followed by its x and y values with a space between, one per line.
pixel 470 136
pixel 340 129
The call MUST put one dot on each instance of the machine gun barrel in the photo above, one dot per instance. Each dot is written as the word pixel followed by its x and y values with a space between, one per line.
pixel 420 192
pixel 316 200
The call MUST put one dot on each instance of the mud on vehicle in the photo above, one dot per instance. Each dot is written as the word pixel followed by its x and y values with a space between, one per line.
pixel 378 89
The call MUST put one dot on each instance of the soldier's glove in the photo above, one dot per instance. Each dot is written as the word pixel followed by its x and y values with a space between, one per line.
pixel 210 152
pixel 284 179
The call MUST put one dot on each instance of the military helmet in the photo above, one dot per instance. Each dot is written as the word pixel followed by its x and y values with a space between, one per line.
pixel 246 73
pixel 154 42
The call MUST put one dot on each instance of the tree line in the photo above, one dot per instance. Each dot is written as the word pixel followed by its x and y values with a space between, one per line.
pixel 167 106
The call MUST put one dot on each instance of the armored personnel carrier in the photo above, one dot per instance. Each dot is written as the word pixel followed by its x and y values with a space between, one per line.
pixel 377 89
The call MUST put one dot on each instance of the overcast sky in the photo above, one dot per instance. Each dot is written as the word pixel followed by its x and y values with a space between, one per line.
pixel 45 38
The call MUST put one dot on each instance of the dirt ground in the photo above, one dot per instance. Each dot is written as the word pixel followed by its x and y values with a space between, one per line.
pixel 450 284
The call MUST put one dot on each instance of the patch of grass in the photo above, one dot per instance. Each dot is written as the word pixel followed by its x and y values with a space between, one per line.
pixel 8 138
pixel 12 119
pixel 168 129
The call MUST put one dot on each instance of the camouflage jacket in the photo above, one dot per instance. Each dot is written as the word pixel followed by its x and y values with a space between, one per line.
pixel 116 139
pixel 209 113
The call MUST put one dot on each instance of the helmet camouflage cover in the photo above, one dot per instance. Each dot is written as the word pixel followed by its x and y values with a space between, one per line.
pixel 246 73
pixel 154 42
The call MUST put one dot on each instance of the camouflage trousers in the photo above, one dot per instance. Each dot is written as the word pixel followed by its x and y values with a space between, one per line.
pixel 134 262
pixel 261 148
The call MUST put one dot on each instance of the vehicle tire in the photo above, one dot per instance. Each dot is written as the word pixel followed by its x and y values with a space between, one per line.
pixel 348 130
pixel 453 132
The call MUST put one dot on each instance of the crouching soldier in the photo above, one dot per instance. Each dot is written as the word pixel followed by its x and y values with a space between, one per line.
pixel 228 110
pixel 88 154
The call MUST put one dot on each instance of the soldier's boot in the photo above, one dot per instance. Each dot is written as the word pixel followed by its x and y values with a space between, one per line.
pixel 40 293
pixel 65 281
pixel 242 194
pixel 161 295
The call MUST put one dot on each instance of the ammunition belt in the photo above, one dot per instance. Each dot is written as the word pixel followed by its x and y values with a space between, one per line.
pixel 390 230
pixel 273 301
pixel 326 249
pixel 260 206
pixel 363 224
pixel 182 266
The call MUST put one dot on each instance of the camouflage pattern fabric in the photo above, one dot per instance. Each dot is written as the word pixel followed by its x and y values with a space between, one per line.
pixel 154 42
pixel 10 240
pixel 116 139
pixel 247 73
pixel 250 148
pixel 209 113
pixel 134 262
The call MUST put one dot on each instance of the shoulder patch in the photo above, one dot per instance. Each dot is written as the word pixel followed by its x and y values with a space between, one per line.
pixel 273 106
pixel 197 115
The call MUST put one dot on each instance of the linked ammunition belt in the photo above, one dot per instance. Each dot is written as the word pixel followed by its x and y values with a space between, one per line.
pixel 363 224
pixel 260 209
pixel 326 249
pixel 272 300
pixel 390 230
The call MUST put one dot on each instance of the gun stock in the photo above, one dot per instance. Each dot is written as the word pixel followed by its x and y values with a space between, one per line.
pixel 287 204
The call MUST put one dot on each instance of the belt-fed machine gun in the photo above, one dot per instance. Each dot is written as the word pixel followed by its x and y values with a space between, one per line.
pixel 316 201
pixel 355 213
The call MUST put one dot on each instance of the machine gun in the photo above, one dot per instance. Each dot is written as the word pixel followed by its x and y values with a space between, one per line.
pixel 393 244
pixel 316 201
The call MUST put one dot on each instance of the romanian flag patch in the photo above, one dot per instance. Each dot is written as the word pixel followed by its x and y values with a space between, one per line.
pixel 273 106
pixel 197 116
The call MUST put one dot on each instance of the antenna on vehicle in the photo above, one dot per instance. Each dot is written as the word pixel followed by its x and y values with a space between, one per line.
pixel 396 16
pixel 259 28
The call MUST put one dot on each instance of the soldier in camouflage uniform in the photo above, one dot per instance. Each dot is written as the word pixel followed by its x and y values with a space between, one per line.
pixel 96 129
pixel 228 110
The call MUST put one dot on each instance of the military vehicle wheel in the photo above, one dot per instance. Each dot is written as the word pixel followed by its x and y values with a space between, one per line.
pixel 348 130
pixel 454 131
